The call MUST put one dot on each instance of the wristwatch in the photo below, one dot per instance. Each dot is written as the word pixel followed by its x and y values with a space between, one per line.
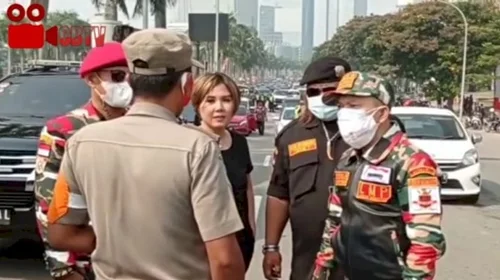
pixel 270 248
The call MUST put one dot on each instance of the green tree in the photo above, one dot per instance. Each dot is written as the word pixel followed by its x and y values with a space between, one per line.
pixel 111 8
pixel 421 42
pixel 358 42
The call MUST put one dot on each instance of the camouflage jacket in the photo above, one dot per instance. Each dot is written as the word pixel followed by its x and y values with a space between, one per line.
pixel 384 206
pixel 50 152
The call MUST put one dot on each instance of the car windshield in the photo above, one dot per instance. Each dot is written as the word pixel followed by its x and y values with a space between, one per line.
pixel 42 96
pixel 242 111
pixel 432 127
pixel 288 114
pixel 291 102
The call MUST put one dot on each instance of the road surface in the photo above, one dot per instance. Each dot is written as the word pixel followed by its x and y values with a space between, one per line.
pixel 472 232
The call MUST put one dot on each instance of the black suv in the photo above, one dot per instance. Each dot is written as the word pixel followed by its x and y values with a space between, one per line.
pixel 27 101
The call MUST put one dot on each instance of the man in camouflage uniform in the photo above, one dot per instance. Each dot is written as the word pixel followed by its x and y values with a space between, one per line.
pixel 384 205
pixel 104 69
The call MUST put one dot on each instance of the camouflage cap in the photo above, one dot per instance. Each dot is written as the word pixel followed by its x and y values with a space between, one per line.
pixel 158 51
pixel 364 84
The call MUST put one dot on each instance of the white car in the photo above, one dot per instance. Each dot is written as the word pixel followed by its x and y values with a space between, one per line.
pixel 287 115
pixel 440 133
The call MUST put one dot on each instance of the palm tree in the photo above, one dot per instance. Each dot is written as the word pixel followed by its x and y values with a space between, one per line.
pixel 158 9
pixel 111 8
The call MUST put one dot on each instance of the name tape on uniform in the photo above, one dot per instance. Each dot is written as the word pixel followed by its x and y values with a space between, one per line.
pixel 302 147
pixel 422 170
pixel 376 174
pixel 342 178
pixel 374 192
pixel 423 182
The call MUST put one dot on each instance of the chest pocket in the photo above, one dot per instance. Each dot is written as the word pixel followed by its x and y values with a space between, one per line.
pixel 303 172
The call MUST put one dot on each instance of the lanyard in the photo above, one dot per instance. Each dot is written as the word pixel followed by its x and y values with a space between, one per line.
pixel 328 141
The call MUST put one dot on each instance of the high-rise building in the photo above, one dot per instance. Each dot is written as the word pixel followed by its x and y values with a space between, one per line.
pixel 246 12
pixel 307 29
pixel 360 8
pixel 267 19
pixel 267 28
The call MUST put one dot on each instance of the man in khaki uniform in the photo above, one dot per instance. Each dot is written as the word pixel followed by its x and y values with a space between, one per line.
pixel 156 192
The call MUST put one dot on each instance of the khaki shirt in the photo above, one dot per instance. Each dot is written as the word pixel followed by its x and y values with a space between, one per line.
pixel 155 191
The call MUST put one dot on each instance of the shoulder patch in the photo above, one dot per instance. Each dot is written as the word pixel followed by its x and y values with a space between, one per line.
pixel 424 196
pixel 422 170
pixel 342 178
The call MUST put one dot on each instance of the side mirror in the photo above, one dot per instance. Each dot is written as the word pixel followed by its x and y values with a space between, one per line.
pixel 476 138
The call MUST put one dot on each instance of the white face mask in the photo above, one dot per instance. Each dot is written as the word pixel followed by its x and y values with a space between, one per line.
pixel 118 95
pixel 356 127
pixel 321 110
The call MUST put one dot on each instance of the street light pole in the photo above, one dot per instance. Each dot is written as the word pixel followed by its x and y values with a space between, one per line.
pixel 216 43
pixel 338 15
pixel 327 27
pixel 464 59
pixel 145 14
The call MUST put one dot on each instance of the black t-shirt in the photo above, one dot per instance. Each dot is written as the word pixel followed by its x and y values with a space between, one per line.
pixel 238 165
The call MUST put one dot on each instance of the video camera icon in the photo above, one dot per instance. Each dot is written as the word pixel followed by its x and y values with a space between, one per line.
pixel 27 35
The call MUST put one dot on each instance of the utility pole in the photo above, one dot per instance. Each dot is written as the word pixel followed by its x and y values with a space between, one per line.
pixel 9 51
pixel 338 15
pixel 216 43
pixel 327 32
pixel 145 14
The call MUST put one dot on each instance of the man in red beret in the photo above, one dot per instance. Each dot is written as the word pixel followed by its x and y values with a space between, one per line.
pixel 104 69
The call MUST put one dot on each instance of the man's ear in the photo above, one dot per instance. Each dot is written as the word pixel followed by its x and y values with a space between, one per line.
pixel 91 80
pixel 385 114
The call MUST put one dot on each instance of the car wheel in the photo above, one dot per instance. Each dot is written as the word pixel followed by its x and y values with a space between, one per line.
pixel 471 199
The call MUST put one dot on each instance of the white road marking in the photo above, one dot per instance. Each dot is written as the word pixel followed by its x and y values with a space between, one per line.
pixel 267 161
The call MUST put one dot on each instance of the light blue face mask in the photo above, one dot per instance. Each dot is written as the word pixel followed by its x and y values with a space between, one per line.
pixel 320 110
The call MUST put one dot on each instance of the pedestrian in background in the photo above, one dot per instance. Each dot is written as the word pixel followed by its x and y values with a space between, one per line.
pixel 216 99
pixel 104 69
pixel 156 192
pixel 384 220
pixel 306 153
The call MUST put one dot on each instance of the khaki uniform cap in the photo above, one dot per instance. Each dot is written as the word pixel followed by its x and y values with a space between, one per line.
pixel 158 51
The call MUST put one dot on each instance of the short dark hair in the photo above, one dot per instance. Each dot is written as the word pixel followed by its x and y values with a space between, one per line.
pixel 156 86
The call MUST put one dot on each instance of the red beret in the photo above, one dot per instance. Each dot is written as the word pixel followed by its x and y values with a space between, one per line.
pixel 109 55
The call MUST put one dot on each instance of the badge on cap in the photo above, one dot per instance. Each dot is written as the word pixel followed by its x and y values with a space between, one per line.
pixel 348 80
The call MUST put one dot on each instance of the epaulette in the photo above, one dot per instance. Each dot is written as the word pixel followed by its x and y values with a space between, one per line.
pixel 286 127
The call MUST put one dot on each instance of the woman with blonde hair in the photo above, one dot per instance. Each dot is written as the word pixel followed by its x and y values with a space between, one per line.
pixel 216 99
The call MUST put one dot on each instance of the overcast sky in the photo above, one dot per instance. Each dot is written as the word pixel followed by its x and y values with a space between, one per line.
pixel 288 18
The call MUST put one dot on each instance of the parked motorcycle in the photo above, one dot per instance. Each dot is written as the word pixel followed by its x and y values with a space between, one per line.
pixel 476 122
pixel 492 126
